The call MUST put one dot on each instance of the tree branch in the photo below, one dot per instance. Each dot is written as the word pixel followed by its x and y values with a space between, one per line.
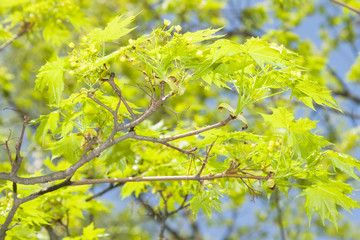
pixel 347 94
pixel 9 218
pixel 69 171
pixel 205 161
pixel 112 186
pixel 195 132
pixel 158 217
pixel 208 177
pixel 18 158
pixel 118 92
pixel 191 133
pixel 27 26
pixel 91 96
pixel 8 151
pixel 346 6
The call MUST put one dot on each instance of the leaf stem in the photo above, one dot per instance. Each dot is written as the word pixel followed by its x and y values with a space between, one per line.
pixel 267 96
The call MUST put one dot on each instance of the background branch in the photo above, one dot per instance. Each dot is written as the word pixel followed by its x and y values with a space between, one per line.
pixel 27 26
pixel 346 6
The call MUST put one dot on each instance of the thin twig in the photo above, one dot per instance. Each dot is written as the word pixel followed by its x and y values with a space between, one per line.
pixel 205 161
pixel 27 26
pixel 195 132
pixel 187 152
pixel 164 216
pixel 116 123
pixel 158 217
pixel 152 108
pixel 8 150
pixel 187 134
pixel 208 177
pixel 91 96
pixel 118 92
pixel 18 158
pixel 346 6
pixel 52 188
pixel 182 206
pixel 176 113
pixel 347 94
pixel 51 232
pixel 142 89
pixel 111 186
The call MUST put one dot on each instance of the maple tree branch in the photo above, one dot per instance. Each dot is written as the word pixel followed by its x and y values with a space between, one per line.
pixel 205 161
pixel 346 6
pixel 182 206
pixel 164 217
pixel 15 165
pixel 187 134
pixel 91 96
pixel 208 177
pixel 111 186
pixel 9 218
pixel 195 132
pixel 187 152
pixel 8 150
pixel 69 171
pixel 116 123
pixel 18 201
pixel 113 112
pixel 159 217
pixel 52 188
pixel 118 92
pixel 148 112
pixel 51 232
pixel 347 94
pixel 27 26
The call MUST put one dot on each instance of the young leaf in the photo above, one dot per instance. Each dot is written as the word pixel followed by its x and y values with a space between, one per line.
pixel 47 122
pixel 307 90
pixel 68 147
pixel 90 232
pixel 263 53
pixel 114 30
pixel 298 133
pixel 281 118
pixel 51 75
pixel 324 199
pixel 130 187
pixel 227 107
pixel 207 201
pixel 344 163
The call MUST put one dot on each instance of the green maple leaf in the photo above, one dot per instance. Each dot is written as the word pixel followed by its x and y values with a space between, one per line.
pixel 344 163
pixel 308 91
pixel 298 133
pixel 324 199
pixel 264 53
pixel 47 122
pixel 114 30
pixel 207 201
pixel 51 75
pixel 281 118
pixel 68 147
